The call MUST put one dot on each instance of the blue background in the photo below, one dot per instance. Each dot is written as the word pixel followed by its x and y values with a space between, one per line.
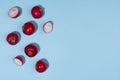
pixel 84 45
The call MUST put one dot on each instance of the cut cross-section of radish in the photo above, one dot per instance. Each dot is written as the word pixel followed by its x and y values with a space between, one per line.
pixel 14 12
pixel 19 60
pixel 48 27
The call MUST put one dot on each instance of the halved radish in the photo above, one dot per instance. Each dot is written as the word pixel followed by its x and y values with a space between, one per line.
pixel 14 12
pixel 19 60
pixel 48 27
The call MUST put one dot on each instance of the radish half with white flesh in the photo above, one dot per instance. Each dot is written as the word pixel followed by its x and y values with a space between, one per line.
pixel 48 27
pixel 19 60
pixel 14 12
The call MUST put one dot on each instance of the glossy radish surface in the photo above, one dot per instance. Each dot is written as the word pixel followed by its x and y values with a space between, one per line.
pixel 28 28
pixel 13 38
pixel 37 12
pixel 41 66
pixel 31 50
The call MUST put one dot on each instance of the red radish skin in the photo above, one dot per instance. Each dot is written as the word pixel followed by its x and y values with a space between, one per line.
pixel 48 27
pixel 12 38
pixel 37 12
pixel 41 66
pixel 31 50
pixel 28 28
pixel 14 12
pixel 19 60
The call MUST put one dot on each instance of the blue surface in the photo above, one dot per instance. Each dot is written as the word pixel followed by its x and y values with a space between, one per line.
pixel 84 45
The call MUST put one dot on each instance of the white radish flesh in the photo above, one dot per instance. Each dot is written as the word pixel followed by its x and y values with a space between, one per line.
pixel 48 27
pixel 18 62
pixel 14 12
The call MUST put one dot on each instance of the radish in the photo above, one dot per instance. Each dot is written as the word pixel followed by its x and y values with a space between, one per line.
pixel 48 27
pixel 37 12
pixel 28 28
pixel 19 60
pixel 32 49
pixel 14 12
pixel 13 38
pixel 41 65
